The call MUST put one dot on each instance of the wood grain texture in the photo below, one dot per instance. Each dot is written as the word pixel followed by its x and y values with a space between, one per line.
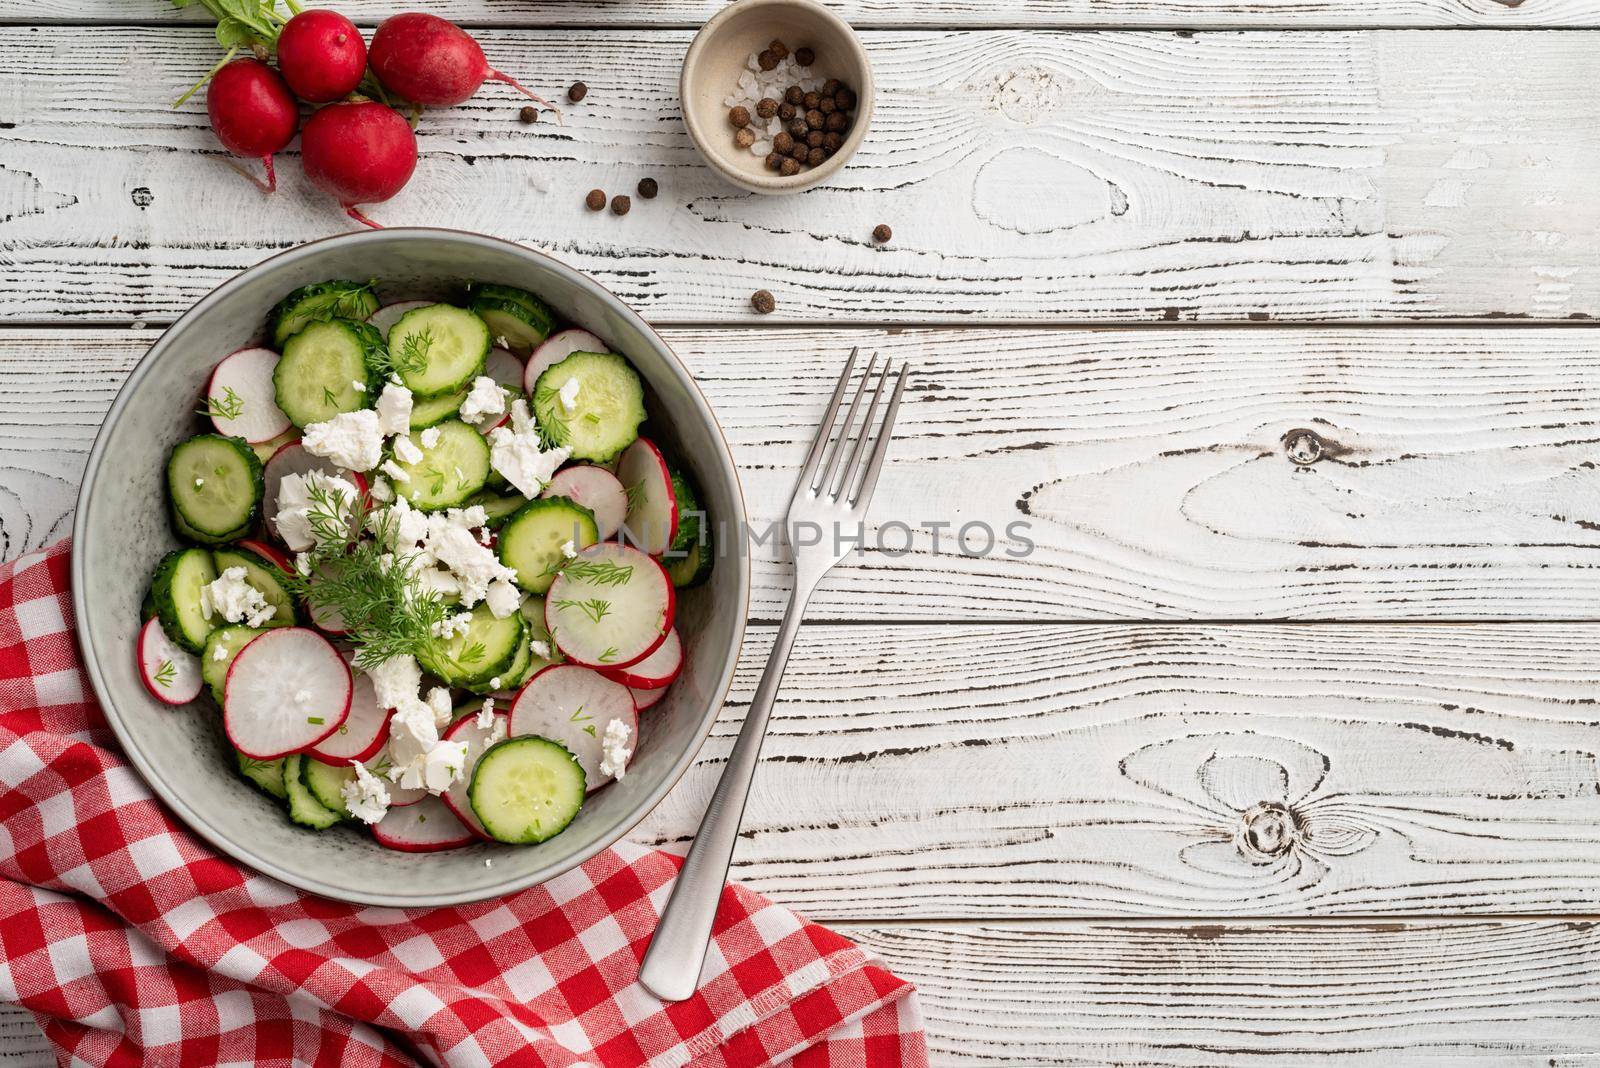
pixel 1159 472
pixel 1028 177
pixel 1512 995
pixel 944 14
pixel 22 1044
pixel 950 772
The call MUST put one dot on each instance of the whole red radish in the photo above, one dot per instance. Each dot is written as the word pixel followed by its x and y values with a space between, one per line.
pixel 252 112
pixel 431 61
pixel 321 55
pixel 361 152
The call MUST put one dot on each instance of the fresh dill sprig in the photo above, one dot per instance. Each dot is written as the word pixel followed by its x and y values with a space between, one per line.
pixel 165 674
pixel 634 494
pixel 595 608
pixel 229 406
pixel 553 429
pixel 609 655
pixel 598 572
pixel 411 358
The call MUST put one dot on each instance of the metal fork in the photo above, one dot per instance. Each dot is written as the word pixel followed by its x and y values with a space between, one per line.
pixel 826 495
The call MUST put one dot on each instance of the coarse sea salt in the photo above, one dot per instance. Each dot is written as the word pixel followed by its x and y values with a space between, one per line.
pixel 755 83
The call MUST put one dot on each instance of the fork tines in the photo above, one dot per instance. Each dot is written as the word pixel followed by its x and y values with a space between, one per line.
pixel 867 441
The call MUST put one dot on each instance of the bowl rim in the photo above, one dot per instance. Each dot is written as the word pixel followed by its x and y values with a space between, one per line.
pixel 196 821
pixel 777 184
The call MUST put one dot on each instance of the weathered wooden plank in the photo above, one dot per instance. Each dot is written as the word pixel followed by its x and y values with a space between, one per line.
pixel 943 14
pixel 1028 177
pixel 1152 468
pixel 1517 995
pixel 959 771
pixel 22 1044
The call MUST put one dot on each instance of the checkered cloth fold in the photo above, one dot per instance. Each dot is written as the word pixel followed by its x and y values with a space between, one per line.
pixel 134 943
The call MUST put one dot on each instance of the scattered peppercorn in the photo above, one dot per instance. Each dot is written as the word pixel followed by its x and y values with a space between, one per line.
pixel 788 168
pixel 815 119
pixel 596 199
pixel 794 94
pixel 832 141
pixel 783 142
pixel 814 139
pixel 846 99
pixel 620 204
pixel 744 137
pixel 805 57
pixel 816 156
pixel 838 122
pixel 739 117
pixel 777 48
pixel 529 114
pixel 648 188
pixel 767 107
pixel 827 105
pixel 768 59
pixel 881 233
pixel 830 87
pixel 798 129
pixel 577 92
pixel 762 301
pixel 799 151
pixel 811 100
pixel 776 160
pixel 786 112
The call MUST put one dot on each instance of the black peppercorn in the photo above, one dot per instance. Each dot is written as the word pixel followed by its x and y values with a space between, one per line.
pixel 529 114
pixel 788 168
pixel 767 107
pixel 767 59
pixel 794 94
pixel 816 156
pixel 786 112
pixel 845 98
pixel 777 48
pixel 798 152
pixel 648 188
pixel 832 141
pixel 762 301
pixel 577 92
pixel 881 233
pixel 814 139
pixel 826 105
pixel 783 142
pixel 838 122
pixel 811 100
pixel 744 138
pixel 830 87
pixel 620 204
pixel 804 56
pixel 798 129
pixel 775 160
pixel 739 117
pixel 815 119
pixel 596 199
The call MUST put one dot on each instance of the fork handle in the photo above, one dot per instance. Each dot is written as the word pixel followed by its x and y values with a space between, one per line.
pixel 671 966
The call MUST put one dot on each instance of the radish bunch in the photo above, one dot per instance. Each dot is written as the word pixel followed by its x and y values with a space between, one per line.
pixel 355 148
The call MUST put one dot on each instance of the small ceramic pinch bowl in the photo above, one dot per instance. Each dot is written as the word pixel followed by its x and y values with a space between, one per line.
pixel 122 530
pixel 718 56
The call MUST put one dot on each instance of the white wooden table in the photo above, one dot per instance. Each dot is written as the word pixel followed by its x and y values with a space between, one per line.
pixel 1252 761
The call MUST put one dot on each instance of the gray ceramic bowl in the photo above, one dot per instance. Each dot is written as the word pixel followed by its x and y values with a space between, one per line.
pixel 121 531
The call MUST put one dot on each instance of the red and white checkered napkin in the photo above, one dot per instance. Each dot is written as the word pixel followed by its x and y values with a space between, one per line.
pixel 136 944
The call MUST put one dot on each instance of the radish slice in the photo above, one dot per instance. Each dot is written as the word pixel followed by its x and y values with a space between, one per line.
pixel 386 316
pixel 171 674
pixel 557 347
pixel 268 552
pixel 286 691
pixel 425 827
pixel 466 729
pixel 643 699
pixel 365 730
pixel 503 366
pixel 597 490
pixel 327 618
pixel 401 796
pixel 654 671
pixel 573 705
pixel 241 398
pixel 652 520
pixel 609 607
pixel 295 459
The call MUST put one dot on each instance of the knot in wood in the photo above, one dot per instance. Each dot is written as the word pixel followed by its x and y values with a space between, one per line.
pixel 1268 830
pixel 1303 447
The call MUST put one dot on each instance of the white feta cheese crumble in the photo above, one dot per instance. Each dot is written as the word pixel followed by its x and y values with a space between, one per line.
pixel 395 681
pixel 569 395
pixel 450 626
pixel 614 749
pixel 486 714
pixel 503 598
pixel 539 649
pixel 435 770
pixel 235 600
pixel 365 796
pixel 406 451
pixel 412 734
pixel 488 862
pixel 430 437
pixel 497 733
pixel 514 452
pixel 358 385
pixel 353 440
pixel 485 399
pixel 395 471
pixel 394 409
pixel 494 683
pixel 301 495
pixel 568 549
pixel 220 652
pixel 381 489
pixel 439 701
pixel 199 482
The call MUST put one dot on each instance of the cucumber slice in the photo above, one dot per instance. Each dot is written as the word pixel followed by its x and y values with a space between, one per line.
pixel 482 653
pixel 532 540
pixel 435 410
pixel 605 415
pixel 690 569
pixel 497 507
pixel 526 790
pixel 689 514
pixel 319 302
pixel 266 774
pixel 227 641
pixel 451 471
pixel 265 577
pixel 514 314
pixel 215 486
pixel 316 377
pixel 438 349
pixel 515 674
pixel 175 590
pixel 326 783
pixel 304 808
pixel 533 610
